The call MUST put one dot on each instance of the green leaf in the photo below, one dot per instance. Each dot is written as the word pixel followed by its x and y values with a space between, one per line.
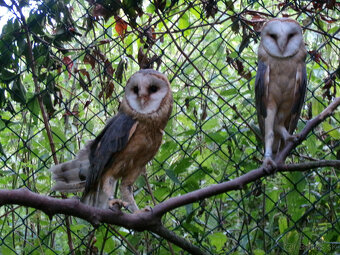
pixel 184 23
pixel 18 91
pixel 259 252
pixel 2 98
pixel 172 176
pixel 211 123
pixel 181 166
pixel 334 131
pixel 47 100
pixel 218 240
pixel 283 225
pixel 33 106
pixel 7 75
pixel 2 150
pixel 292 242
pixel 272 198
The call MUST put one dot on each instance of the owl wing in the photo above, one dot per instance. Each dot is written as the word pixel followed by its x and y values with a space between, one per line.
pixel 299 97
pixel 111 140
pixel 260 94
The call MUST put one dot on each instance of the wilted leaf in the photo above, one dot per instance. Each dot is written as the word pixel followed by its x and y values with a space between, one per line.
pixel 84 84
pixel 69 64
pixel 100 11
pixel 107 90
pixel 87 103
pixel 89 59
pixel 120 70
pixel 108 68
pixel 121 26
pixel 210 7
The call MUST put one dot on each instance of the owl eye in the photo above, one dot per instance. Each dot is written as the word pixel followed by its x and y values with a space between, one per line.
pixel 273 36
pixel 153 89
pixel 290 36
pixel 135 89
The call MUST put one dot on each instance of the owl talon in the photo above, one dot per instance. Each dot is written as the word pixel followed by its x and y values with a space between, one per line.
pixel 268 165
pixel 145 209
pixel 117 202
pixel 292 138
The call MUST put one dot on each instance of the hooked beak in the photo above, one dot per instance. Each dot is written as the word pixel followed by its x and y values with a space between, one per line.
pixel 143 100
pixel 282 45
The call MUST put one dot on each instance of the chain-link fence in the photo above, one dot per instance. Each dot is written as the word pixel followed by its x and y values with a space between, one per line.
pixel 64 65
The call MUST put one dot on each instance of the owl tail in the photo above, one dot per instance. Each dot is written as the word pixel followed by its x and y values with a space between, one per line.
pixel 71 175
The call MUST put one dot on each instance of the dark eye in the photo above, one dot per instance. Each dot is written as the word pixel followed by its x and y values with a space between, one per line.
pixel 273 36
pixel 290 36
pixel 135 89
pixel 153 89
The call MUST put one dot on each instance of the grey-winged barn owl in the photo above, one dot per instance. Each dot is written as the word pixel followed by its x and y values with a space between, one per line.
pixel 280 84
pixel 123 148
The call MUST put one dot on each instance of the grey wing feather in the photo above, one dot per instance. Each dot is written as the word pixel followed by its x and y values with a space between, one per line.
pixel 260 93
pixel 296 110
pixel 111 140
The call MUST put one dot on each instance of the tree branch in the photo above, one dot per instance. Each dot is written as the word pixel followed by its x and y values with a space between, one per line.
pixel 151 220
pixel 308 128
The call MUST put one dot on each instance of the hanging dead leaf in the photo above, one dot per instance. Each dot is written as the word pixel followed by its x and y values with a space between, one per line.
pixel 210 7
pixel 121 26
pixel 69 64
pixel 100 11
pixel 89 59
pixel 104 41
pixel 107 90
pixel 108 69
pixel 84 84
pixel 141 57
pixel 120 70
pixel 87 103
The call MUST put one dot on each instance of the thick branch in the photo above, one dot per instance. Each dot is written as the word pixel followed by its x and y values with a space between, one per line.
pixel 151 220
pixel 235 184
pixel 309 127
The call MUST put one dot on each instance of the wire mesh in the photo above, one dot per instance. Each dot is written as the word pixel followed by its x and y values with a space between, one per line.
pixel 84 52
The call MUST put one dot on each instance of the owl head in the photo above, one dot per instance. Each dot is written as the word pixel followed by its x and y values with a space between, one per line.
pixel 146 90
pixel 282 37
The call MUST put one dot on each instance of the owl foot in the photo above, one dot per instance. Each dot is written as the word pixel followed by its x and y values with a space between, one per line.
pixel 268 165
pixel 113 203
pixel 292 138
pixel 145 209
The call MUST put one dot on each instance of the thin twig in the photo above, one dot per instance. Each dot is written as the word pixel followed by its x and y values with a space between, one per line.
pixel 125 240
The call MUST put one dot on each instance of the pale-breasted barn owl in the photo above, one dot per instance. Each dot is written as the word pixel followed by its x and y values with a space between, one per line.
pixel 123 148
pixel 280 84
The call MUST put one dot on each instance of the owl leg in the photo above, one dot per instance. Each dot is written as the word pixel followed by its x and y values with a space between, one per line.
pixel 268 162
pixel 126 190
pixel 127 195
pixel 285 134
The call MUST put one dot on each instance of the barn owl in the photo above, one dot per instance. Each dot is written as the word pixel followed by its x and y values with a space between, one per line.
pixel 280 84
pixel 123 148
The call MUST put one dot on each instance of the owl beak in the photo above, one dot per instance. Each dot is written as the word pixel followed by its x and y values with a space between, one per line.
pixel 282 45
pixel 143 100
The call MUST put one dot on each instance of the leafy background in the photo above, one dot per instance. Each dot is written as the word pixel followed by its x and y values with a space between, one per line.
pixel 84 51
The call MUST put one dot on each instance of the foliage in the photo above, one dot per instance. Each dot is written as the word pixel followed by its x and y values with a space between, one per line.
pixel 71 59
